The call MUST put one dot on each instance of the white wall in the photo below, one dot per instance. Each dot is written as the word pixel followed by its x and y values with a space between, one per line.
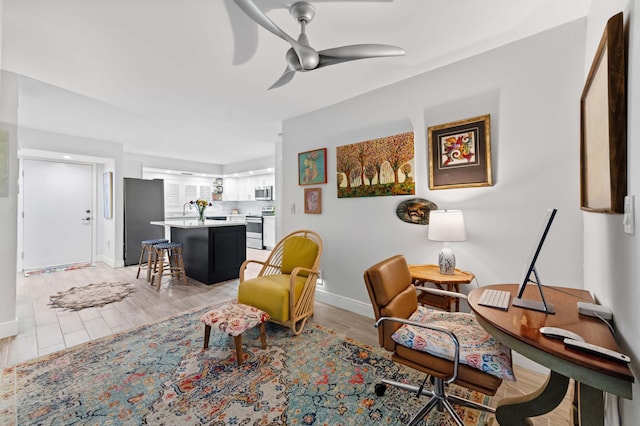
pixel 9 208
pixel 107 156
pixel 531 89
pixel 611 270
pixel 150 161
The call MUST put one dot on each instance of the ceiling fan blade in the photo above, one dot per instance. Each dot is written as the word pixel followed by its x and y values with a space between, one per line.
pixel 309 58
pixel 286 77
pixel 360 51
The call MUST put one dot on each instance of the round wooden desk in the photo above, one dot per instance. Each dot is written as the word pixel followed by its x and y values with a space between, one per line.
pixel 421 274
pixel 518 328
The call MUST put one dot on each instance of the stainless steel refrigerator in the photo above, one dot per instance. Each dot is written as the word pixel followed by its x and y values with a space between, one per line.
pixel 143 202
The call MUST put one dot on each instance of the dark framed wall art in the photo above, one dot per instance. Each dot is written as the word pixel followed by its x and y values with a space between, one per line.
pixel 603 125
pixel 312 167
pixel 460 154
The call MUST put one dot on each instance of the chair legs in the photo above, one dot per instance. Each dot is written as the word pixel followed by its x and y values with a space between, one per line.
pixel 439 398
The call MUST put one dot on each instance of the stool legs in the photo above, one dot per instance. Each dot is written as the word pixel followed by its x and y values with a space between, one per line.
pixel 174 263
pixel 144 247
pixel 148 247
pixel 237 341
pixel 150 262
pixel 207 335
pixel 263 335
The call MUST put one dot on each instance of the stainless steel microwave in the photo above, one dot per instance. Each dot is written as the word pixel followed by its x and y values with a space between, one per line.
pixel 264 193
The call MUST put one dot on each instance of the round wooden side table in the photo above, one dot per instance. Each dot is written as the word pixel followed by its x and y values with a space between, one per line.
pixel 421 274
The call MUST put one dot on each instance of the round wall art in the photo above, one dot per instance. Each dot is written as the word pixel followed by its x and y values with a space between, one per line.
pixel 415 210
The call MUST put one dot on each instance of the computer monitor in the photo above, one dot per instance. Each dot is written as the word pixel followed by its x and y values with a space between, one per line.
pixel 530 268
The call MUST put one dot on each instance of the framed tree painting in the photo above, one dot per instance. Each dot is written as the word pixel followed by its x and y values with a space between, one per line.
pixel 377 167
pixel 460 154
pixel 603 125
pixel 312 167
pixel 313 200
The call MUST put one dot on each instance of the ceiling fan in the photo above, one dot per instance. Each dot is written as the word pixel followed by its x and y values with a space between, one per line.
pixel 301 56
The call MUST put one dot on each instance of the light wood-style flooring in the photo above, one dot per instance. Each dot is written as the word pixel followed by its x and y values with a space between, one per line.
pixel 43 329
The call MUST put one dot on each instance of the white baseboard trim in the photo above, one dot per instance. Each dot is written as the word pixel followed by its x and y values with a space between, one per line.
pixel 524 362
pixel 9 329
pixel 352 305
pixel 107 261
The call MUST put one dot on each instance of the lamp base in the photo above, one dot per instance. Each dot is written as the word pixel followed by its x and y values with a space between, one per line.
pixel 447 261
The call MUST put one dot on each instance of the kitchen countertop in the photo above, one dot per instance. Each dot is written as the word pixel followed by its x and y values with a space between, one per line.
pixel 207 214
pixel 193 223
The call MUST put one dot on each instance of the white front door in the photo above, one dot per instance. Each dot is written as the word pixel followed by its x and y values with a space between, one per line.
pixel 58 215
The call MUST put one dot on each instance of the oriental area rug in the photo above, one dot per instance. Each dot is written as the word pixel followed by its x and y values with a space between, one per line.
pixel 92 295
pixel 158 374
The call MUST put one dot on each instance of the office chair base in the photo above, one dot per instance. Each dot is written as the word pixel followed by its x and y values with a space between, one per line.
pixel 439 398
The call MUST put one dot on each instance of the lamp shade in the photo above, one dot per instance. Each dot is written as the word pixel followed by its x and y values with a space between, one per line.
pixel 446 225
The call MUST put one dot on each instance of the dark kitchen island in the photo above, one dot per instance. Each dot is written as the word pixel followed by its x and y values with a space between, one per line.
pixel 212 251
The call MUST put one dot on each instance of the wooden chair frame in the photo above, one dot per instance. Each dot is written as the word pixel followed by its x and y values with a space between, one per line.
pixel 299 310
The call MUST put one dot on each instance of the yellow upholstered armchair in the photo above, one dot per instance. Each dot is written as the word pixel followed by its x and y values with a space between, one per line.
pixel 291 270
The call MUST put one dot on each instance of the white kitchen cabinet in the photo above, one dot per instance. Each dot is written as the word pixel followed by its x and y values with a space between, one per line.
pixel 245 189
pixel 269 231
pixel 230 189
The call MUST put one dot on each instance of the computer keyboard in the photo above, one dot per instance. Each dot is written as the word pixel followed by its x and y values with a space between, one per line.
pixel 498 299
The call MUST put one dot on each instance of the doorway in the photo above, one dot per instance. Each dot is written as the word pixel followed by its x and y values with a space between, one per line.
pixel 57 213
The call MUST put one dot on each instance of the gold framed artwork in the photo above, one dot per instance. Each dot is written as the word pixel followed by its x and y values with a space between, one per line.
pixel 603 125
pixel 377 167
pixel 313 200
pixel 312 167
pixel 460 154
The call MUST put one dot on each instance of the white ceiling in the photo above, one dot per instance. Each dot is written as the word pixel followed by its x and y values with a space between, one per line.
pixel 188 79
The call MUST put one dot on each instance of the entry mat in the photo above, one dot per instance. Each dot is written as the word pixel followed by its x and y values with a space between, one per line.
pixel 30 272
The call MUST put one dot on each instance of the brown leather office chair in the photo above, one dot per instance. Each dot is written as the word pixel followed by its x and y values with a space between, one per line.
pixel 395 300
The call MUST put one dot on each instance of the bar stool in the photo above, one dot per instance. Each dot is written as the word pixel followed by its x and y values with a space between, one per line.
pixel 174 262
pixel 147 247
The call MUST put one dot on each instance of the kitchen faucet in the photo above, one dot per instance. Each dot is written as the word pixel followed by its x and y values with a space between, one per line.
pixel 184 208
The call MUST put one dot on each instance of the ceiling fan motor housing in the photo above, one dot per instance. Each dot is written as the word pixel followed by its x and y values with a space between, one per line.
pixel 303 11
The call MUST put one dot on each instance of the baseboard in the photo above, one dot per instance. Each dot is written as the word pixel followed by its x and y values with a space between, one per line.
pixel 352 305
pixel 109 261
pixel 524 362
pixel 9 329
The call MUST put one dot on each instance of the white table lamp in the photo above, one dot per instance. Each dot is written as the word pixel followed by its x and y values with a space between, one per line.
pixel 446 226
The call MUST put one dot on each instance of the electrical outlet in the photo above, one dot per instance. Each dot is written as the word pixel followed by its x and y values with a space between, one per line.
pixel 293 208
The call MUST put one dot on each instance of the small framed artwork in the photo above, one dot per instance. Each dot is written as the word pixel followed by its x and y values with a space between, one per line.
pixel 603 125
pixel 312 167
pixel 107 189
pixel 218 181
pixel 460 154
pixel 313 200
